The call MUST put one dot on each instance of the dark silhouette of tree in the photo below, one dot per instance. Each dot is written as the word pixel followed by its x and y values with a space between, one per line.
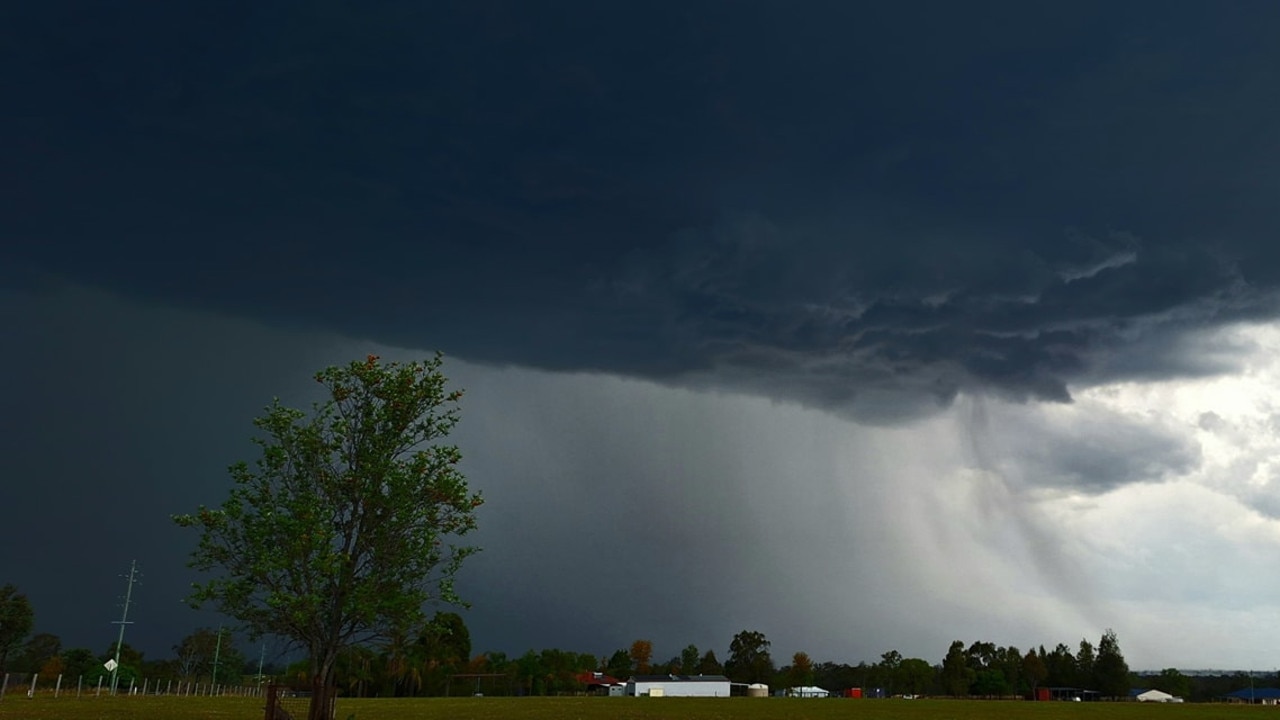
pixel 1085 659
pixel 16 619
pixel 709 665
pixel 957 675
pixel 689 660
pixel 1034 670
pixel 1172 681
pixel 1110 671
pixel 619 665
pixel 749 660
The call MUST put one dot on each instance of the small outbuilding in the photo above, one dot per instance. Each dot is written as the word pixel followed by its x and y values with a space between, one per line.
pixel 678 686
pixel 598 683
pixel 807 691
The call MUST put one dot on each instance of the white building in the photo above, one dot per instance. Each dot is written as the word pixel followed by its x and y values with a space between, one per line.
pixel 678 686
pixel 807 691
pixel 1154 696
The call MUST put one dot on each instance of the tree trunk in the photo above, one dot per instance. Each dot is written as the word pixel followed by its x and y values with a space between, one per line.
pixel 319 707
pixel 322 695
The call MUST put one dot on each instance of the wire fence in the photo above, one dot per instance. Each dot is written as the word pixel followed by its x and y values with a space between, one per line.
pixel 34 684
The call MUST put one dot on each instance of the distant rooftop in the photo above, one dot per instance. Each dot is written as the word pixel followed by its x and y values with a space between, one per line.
pixel 1267 693
pixel 679 678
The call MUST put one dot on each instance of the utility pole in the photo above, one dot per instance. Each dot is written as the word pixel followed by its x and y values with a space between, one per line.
pixel 124 620
pixel 217 651
pixel 261 659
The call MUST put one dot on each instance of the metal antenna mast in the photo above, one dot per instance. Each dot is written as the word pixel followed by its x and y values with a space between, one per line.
pixel 124 620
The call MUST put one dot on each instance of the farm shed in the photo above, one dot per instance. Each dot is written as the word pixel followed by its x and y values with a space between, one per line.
pixel 598 683
pixel 678 686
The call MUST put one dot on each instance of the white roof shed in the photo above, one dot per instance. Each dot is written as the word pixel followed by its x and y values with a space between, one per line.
pixel 808 691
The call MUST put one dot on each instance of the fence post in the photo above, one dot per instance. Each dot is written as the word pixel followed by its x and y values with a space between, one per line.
pixel 99 692
pixel 57 689
pixel 4 685
pixel 32 692
pixel 271 702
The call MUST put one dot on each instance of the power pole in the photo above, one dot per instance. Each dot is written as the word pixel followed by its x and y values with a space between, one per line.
pixel 261 659
pixel 124 620
pixel 217 650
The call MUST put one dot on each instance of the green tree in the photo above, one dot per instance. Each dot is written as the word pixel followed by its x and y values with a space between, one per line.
pixel 402 664
pixel 77 662
pixel 709 665
pixel 1062 667
pixel 446 639
pixel 16 619
pixel 989 682
pixel 1173 682
pixel 915 676
pixel 1110 671
pixel 130 670
pixel 341 531
pixel 530 673
pixel 957 676
pixel 749 660
pixel 37 651
pixel 1034 670
pixel 1084 665
pixel 885 672
pixel 1010 662
pixel 619 665
pixel 689 660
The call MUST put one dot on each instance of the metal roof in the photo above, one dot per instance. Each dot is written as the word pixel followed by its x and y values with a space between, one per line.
pixel 1267 693
pixel 679 678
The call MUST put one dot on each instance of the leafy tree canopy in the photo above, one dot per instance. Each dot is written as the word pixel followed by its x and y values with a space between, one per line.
pixel 749 660
pixel 341 531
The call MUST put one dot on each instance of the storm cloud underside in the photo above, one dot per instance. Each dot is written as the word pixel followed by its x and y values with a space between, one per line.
pixel 834 206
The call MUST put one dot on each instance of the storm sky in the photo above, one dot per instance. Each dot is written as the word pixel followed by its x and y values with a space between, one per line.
pixel 866 326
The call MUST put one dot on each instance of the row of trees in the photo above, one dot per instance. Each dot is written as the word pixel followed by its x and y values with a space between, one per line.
pixel 438 660
pixel 985 669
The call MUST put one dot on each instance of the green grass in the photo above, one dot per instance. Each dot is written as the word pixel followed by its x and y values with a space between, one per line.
pixel 19 707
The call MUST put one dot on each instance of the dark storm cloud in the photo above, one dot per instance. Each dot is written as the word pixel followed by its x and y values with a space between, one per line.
pixel 866 209
pixel 116 417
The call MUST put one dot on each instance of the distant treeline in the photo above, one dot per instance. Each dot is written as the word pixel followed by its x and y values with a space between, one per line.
pixel 437 659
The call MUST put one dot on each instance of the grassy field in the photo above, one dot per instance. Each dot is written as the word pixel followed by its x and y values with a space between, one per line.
pixel 18 707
